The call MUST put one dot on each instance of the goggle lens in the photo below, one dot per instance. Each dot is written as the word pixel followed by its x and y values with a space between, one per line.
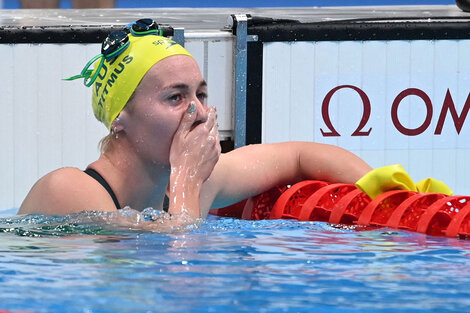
pixel 144 25
pixel 113 42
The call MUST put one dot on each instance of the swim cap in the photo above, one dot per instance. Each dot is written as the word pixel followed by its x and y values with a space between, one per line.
pixel 119 77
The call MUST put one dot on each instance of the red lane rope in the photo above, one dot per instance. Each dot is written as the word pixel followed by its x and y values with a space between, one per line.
pixel 290 203
pixel 260 206
pixel 460 225
pixel 407 214
pixel 318 205
pixel 348 209
pixel 379 210
pixel 428 213
pixel 437 217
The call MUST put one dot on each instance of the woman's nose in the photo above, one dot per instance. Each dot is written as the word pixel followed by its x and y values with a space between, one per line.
pixel 202 111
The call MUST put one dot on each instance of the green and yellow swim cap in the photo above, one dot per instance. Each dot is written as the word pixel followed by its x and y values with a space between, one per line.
pixel 119 77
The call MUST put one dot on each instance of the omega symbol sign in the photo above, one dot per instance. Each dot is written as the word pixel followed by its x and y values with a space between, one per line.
pixel 448 108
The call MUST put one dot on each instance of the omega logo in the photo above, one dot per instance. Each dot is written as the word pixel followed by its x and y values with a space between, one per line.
pixel 447 106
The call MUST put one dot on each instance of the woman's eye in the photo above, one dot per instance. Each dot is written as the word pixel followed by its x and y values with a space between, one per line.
pixel 202 97
pixel 175 98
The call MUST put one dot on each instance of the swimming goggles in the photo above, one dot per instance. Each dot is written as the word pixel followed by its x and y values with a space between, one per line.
pixel 114 44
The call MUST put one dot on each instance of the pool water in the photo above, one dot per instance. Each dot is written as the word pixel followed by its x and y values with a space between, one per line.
pixel 83 264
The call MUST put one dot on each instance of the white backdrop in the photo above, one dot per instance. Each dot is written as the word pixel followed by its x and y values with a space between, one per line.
pixel 412 87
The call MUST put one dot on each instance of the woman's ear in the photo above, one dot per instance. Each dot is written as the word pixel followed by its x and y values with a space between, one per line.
pixel 120 122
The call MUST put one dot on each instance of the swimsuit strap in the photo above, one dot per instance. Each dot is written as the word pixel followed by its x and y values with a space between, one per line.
pixel 166 204
pixel 105 184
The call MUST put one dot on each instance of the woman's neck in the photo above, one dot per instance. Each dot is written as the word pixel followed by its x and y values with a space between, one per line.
pixel 137 183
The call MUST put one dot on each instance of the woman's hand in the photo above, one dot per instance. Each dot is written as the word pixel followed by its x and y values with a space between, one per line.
pixel 193 154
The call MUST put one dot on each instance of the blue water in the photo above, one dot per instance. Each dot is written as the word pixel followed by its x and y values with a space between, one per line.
pixel 82 263
pixel 66 4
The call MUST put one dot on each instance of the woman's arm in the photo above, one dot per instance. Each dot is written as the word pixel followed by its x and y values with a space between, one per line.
pixel 193 155
pixel 254 169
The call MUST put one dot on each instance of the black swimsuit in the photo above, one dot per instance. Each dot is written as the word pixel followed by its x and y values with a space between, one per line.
pixel 104 183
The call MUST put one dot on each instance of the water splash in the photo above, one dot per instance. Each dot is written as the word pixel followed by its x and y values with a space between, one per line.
pixel 98 223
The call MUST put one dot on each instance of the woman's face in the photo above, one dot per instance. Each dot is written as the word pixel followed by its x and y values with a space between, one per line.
pixel 159 103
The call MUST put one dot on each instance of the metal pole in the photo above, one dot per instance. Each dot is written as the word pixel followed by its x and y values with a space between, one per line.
pixel 178 36
pixel 241 22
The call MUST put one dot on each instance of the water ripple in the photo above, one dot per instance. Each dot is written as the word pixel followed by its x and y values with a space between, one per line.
pixel 86 263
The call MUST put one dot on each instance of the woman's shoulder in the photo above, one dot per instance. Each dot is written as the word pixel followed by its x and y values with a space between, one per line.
pixel 65 190
pixel 63 173
pixel 62 179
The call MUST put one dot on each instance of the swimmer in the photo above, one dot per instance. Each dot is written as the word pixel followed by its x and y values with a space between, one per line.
pixel 163 140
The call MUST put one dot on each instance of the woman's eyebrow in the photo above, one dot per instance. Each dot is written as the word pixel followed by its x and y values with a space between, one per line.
pixel 177 86
pixel 185 87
